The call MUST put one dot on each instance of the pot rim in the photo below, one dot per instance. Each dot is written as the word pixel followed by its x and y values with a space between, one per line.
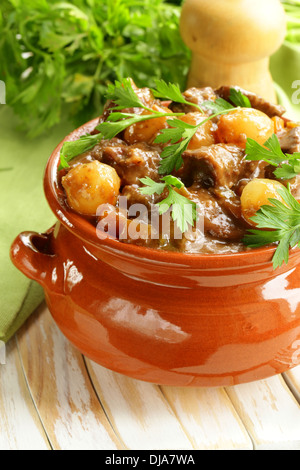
pixel 83 229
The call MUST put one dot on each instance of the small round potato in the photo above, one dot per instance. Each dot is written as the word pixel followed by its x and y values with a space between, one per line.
pixel 89 185
pixel 243 123
pixel 146 131
pixel 257 194
pixel 204 135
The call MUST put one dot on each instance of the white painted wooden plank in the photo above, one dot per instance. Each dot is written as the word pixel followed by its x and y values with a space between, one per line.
pixel 292 378
pixel 20 427
pixel 270 413
pixel 208 418
pixel 68 406
pixel 138 411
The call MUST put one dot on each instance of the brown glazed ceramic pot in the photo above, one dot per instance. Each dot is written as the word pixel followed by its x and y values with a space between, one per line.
pixel 166 318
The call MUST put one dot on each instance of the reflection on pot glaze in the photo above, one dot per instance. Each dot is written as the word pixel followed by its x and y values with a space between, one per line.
pixel 128 315
pixel 280 289
pixel 72 276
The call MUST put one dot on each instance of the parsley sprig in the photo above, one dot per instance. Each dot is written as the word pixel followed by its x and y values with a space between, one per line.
pixel 278 222
pixel 57 56
pixel 171 91
pixel 179 135
pixel 176 138
pixel 183 210
pixel 288 166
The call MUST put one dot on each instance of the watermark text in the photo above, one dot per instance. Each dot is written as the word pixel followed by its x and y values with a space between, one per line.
pixel 139 222
pixel 296 94
pixel 2 92
pixel 2 353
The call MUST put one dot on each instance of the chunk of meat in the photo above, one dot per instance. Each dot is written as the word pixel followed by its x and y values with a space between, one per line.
pixel 229 201
pixel 295 187
pixel 290 139
pixel 196 96
pixel 199 95
pixel 134 196
pixel 249 171
pixel 217 222
pixel 97 152
pixel 256 101
pixel 218 165
pixel 133 162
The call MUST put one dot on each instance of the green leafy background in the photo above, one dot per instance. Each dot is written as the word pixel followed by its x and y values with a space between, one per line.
pixel 57 58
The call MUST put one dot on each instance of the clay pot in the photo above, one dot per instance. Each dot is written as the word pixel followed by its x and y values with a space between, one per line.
pixel 166 318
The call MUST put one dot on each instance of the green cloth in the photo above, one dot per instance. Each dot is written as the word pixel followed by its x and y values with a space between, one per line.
pixel 23 205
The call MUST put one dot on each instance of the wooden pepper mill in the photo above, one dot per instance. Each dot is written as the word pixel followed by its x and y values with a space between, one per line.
pixel 232 41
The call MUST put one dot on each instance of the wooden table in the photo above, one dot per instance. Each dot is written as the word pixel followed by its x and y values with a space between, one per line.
pixel 51 397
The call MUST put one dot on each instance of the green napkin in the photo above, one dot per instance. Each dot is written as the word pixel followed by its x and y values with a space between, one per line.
pixel 23 207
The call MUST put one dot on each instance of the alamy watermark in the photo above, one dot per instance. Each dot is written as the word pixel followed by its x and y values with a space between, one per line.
pixel 2 353
pixel 139 222
pixel 2 92
pixel 296 94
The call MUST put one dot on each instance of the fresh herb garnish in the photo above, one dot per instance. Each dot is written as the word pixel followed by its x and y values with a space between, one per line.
pixel 171 91
pixel 124 96
pixel 218 106
pixel 288 166
pixel 118 122
pixel 236 97
pixel 177 136
pixel 282 221
pixel 57 57
pixel 239 99
pixel 74 148
pixel 183 210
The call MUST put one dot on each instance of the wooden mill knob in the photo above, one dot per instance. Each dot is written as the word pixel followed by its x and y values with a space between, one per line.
pixel 231 42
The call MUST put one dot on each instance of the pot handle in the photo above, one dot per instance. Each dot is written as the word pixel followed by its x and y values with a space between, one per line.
pixel 31 254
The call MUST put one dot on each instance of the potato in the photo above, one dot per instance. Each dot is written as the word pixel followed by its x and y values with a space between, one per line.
pixel 89 185
pixel 257 194
pixel 242 123
pixel 146 131
pixel 204 135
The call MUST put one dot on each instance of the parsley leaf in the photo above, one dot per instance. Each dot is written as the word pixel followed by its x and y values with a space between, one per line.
pixel 151 187
pixel 217 106
pixel 183 210
pixel 172 92
pixel 74 148
pixel 177 136
pixel 236 97
pixel 58 57
pixel 180 135
pixel 284 220
pixel 123 95
pixel 239 99
pixel 288 166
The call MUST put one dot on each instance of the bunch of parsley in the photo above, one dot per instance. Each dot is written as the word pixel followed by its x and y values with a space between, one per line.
pixel 58 57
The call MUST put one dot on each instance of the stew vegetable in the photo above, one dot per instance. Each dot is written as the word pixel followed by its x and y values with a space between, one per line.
pixel 226 157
